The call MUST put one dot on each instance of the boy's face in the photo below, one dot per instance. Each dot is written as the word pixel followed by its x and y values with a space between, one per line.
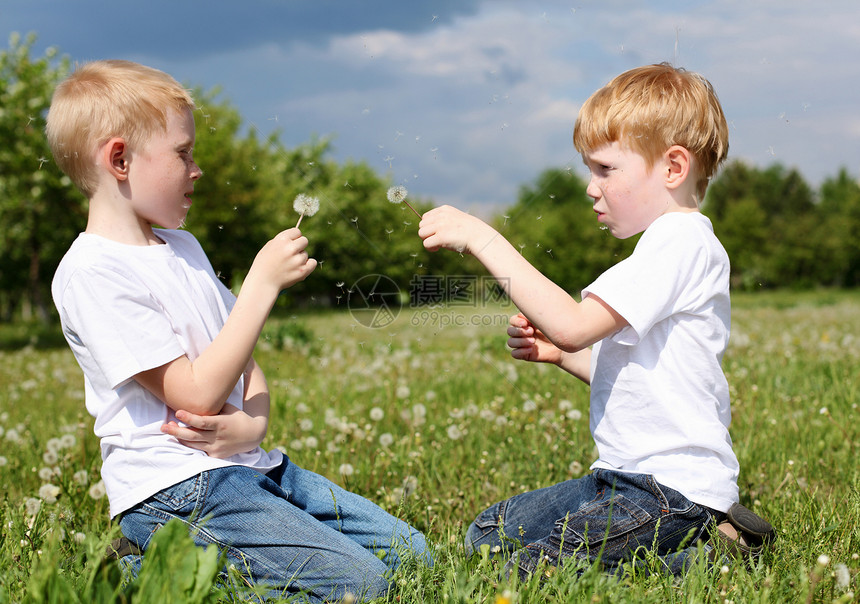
pixel 162 174
pixel 628 196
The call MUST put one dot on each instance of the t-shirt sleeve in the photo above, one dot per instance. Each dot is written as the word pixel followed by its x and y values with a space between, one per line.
pixel 659 279
pixel 119 322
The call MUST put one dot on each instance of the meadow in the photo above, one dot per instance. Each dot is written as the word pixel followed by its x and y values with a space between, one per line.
pixel 430 417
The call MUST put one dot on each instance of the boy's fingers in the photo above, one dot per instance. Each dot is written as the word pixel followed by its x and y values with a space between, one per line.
pixel 517 342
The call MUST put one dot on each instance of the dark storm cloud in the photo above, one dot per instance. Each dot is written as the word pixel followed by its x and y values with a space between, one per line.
pixel 170 29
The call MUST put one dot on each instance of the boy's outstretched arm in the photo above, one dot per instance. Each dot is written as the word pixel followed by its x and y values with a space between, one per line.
pixel 527 343
pixel 568 324
pixel 233 430
pixel 202 386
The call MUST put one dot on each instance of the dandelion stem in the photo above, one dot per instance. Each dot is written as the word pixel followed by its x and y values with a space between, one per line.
pixel 408 205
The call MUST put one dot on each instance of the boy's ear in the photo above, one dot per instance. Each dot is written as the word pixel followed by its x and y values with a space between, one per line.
pixel 679 164
pixel 115 157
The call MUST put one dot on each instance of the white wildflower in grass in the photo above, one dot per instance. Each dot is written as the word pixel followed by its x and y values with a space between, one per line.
pixel 575 468
pixel 346 469
pixel 297 444
pixel 311 442
pixel 305 205
pixel 46 474
pixel 13 436
pixel 306 425
pixel 97 491
pixel 419 410
pixel 81 477
pixel 302 408
pixel 410 485
pixel 454 432
pixel 386 439
pixel 397 195
pixel 823 560
pixel 32 506
pixel 54 444
pixel 68 440
pixel 376 414
pixel 50 457
pixel 80 537
pixel 403 391
pixel 49 492
pixel 574 414
pixel 843 576
pixel 529 406
pixel 3 461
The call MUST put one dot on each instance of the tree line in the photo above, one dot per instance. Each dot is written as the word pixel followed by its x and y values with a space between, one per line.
pixel 778 231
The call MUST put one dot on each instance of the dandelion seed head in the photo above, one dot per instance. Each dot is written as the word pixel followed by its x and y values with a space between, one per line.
pixel 346 469
pixel 376 414
pixel 397 194
pixel 386 439
pixel 32 505
pixel 97 491
pixel 306 205
pixel 49 493
pixel 823 560
pixel 843 576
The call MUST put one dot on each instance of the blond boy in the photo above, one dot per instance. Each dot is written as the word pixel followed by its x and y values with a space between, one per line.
pixel 648 335
pixel 180 405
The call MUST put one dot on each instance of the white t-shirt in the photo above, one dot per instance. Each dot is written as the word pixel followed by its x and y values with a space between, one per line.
pixel 125 309
pixel 659 398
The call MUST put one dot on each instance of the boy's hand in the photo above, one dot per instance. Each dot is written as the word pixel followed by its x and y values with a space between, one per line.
pixel 527 343
pixel 221 436
pixel 449 228
pixel 283 261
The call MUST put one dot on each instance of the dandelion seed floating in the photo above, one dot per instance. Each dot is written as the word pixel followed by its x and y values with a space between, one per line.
pixel 398 195
pixel 305 205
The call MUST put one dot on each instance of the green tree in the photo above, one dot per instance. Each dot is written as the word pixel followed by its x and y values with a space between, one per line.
pixel 765 219
pixel 838 225
pixel 40 210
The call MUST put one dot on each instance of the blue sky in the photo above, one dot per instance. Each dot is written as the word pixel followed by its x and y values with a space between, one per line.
pixel 464 101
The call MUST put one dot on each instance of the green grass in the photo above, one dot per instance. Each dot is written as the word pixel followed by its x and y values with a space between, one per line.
pixel 462 426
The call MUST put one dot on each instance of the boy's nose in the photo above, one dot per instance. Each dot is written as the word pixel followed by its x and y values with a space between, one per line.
pixel 196 172
pixel 592 190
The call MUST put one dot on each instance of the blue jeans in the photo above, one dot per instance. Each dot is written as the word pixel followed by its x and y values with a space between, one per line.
pixel 291 529
pixel 611 516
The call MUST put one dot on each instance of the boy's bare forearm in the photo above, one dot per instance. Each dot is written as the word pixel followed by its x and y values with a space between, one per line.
pixel 572 326
pixel 577 364
pixel 202 386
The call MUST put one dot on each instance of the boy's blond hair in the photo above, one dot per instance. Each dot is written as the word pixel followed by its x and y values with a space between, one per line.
pixel 651 108
pixel 104 99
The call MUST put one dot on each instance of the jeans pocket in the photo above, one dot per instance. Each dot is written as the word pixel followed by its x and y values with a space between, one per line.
pixel 490 519
pixel 603 519
pixel 183 498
